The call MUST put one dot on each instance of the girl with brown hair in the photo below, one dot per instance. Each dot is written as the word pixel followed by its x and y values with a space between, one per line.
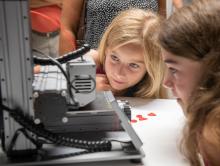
pixel 191 51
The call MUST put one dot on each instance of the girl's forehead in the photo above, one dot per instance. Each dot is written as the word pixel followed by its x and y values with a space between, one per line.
pixel 125 46
pixel 171 58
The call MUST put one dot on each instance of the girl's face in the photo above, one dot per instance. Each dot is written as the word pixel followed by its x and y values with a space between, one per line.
pixel 182 76
pixel 124 66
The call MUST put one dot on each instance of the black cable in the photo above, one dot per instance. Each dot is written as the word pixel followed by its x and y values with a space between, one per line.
pixel 42 155
pixel 70 83
pixel 39 52
pixel 63 59
pixel 55 62
pixel 58 139
pixel 115 140
pixel 59 156
pixel 25 133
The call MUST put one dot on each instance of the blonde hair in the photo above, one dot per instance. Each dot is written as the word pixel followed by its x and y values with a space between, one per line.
pixel 138 27
pixel 194 32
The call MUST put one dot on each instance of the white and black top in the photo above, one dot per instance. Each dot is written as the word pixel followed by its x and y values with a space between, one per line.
pixel 99 14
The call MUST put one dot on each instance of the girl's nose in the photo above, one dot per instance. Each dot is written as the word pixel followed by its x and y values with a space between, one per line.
pixel 121 71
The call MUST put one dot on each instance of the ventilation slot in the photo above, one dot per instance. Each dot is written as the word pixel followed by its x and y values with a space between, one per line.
pixel 83 85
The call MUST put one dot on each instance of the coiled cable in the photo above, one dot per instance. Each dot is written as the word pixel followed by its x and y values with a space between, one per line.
pixel 58 139
pixel 63 59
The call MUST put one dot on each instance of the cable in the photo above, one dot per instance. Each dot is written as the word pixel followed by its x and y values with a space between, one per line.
pixel 58 139
pixel 54 61
pixel 115 140
pixel 65 58
pixel 39 52
pixel 41 154
pixel 59 156
pixel 25 133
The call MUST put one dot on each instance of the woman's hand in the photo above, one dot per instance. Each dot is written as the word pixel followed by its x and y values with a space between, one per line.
pixel 36 69
pixel 102 83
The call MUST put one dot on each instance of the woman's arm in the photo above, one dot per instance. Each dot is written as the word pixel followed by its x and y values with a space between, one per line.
pixel 70 19
pixel 177 3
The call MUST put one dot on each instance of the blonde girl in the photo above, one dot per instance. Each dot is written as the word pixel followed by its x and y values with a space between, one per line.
pixel 128 58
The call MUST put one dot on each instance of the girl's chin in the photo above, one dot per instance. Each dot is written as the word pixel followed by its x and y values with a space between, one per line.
pixel 116 90
pixel 117 87
pixel 180 102
pixel 183 106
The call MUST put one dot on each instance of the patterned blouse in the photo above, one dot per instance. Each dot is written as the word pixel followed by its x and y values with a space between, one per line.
pixel 99 14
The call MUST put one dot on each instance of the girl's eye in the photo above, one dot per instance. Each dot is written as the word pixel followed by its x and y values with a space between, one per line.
pixel 173 71
pixel 134 65
pixel 114 58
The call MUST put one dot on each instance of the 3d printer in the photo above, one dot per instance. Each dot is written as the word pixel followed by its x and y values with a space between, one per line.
pixel 57 111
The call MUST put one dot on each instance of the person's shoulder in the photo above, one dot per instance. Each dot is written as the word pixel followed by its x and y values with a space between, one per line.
pixel 92 53
pixel 95 56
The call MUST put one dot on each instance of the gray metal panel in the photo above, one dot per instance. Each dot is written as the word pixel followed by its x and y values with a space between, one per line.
pixel 16 69
pixel 85 68
pixel 124 120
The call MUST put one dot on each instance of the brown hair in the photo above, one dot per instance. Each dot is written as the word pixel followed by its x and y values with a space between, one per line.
pixel 194 32
pixel 139 27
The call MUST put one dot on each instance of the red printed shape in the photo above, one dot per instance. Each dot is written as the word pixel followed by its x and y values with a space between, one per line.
pixel 139 116
pixel 133 121
pixel 141 119
pixel 152 114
